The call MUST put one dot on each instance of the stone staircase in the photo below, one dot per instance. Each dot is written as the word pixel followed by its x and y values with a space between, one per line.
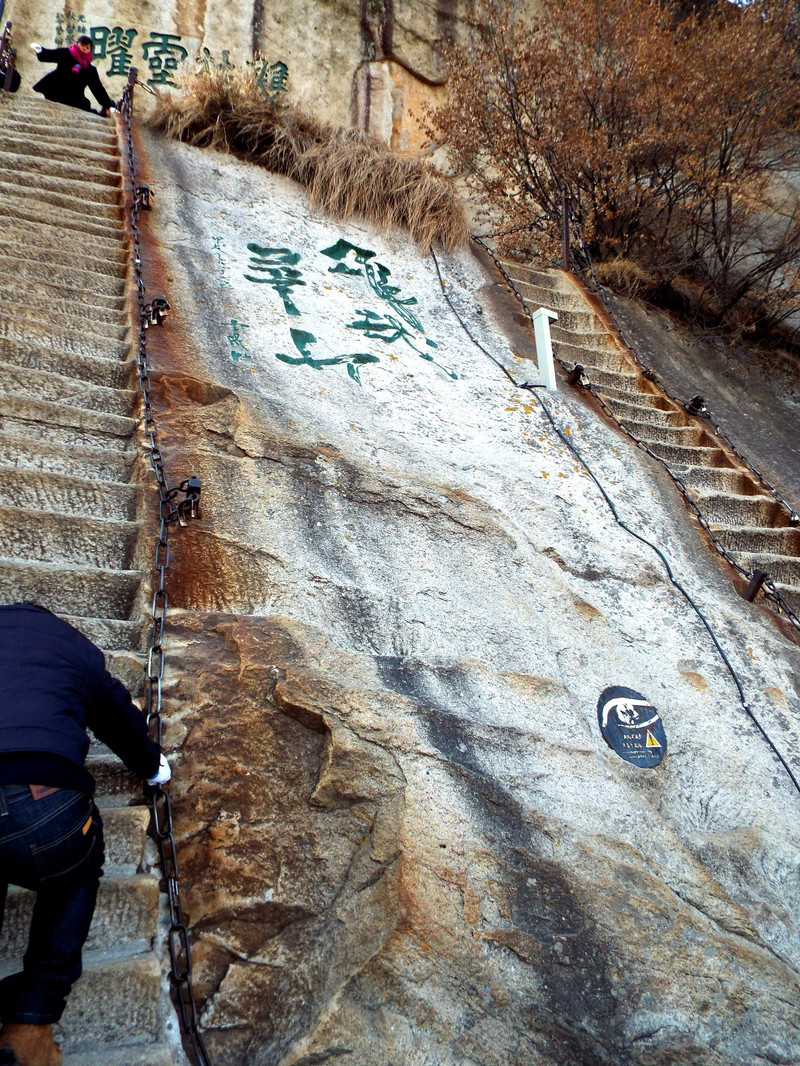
pixel 750 524
pixel 70 521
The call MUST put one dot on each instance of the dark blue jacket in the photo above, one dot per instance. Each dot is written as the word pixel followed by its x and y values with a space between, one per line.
pixel 53 685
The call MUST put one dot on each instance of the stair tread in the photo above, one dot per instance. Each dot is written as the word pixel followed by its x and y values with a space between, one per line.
pixel 71 589
pixel 59 417
pixel 62 388
pixel 123 1055
pixel 66 493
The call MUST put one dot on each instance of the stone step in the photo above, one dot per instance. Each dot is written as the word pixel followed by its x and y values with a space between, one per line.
pixel 115 636
pixel 678 436
pixel 586 340
pixel 641 414
pixel 69 220
pixel 44 385
pixel 68 494
pixel 728 509
pixel 54 199
pixel 52 335
pixel 39 285
pixel 68 515
pixel 126 914
pixel 51 537
pixel 760 539
pixel 608 358
pixel 116 1001
pixel 549 279
pixel 130 669
pixel 115 783
pixel 98 197
pixel 586 324
pixel 652 397
pixel 70 590
pixel 103 254
pixel 65 141
pixel 94 328
pixel 722 479
pixel 554 299
pixel 107 278
pixel 80 169
pixel 791 594
pixel 23 138
pixel 678 456
pixel 111 373
pixel 40 420
pixel 61 120
pixel 623 381
pixel 781 568
pixel 126 1055
pixel 22 453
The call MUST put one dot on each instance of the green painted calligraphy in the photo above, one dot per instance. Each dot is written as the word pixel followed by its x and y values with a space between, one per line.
pixel 390 329
pixel 303 341
pixel 69 27
pixel 270 78
pixel 386 328
pixel 115 45
pixel 279 264
pixel 377 275
pixel 217 245
pixel 237 341
pixel 206 61
pixel 163 54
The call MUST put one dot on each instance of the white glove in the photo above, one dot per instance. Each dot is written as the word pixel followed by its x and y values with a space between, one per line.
pixel 163 775
pixel 36 47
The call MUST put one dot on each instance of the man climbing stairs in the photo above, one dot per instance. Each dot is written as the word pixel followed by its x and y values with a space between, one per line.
pixel 754 528
pixel 70 521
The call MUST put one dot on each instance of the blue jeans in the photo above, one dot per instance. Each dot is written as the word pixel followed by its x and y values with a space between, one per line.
pixel 53 845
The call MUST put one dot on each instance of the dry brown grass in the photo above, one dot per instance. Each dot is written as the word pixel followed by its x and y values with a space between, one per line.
pixel 345 172
pixel 626 277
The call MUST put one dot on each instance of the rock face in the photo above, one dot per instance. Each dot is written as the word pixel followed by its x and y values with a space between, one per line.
pixel 373 64
pixel 402 835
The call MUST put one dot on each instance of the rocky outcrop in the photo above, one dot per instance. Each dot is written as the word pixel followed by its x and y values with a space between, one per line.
pixel 401 831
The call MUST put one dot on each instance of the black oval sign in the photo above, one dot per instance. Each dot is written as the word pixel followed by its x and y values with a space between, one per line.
pixel 630 725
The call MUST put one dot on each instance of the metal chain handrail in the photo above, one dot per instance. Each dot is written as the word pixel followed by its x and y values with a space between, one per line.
pixel 766 582
pixel 8 56
pixel 171 510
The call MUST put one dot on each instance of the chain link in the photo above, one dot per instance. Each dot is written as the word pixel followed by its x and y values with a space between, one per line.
pixel 171 511
pixel 768 587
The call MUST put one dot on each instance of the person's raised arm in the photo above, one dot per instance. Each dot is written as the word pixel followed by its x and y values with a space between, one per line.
pixel 115 719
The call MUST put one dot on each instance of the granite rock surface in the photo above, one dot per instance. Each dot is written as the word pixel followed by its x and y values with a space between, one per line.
pixel 402 835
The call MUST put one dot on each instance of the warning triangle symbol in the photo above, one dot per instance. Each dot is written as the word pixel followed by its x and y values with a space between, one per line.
pixel 651 741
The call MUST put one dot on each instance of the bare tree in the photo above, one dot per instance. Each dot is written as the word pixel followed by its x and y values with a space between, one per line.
pixel 668 132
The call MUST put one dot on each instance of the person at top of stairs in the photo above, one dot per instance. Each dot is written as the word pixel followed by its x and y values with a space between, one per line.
pixel 74 74
pixel 53 684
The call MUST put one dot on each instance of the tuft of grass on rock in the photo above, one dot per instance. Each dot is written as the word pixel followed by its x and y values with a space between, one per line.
pixel 345 172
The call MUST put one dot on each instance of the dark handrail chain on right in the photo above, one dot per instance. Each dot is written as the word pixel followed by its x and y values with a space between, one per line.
pixel 172 510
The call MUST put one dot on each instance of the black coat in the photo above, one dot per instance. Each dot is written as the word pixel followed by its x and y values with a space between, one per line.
pixel 53 684
pixel 66 86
